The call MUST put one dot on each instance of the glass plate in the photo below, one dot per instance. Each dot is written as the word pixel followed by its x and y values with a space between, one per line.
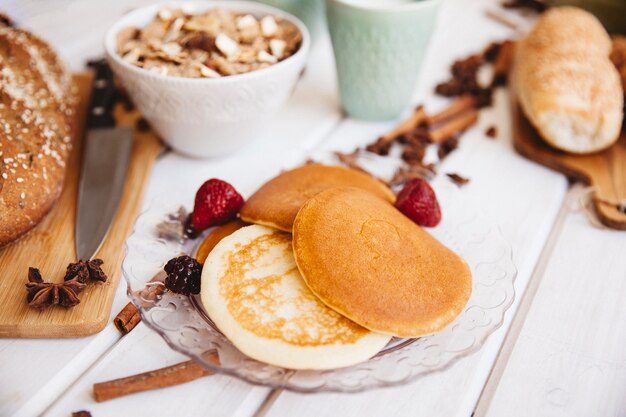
pixel 184 325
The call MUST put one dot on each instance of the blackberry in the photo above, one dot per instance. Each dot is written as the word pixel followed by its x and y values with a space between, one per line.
pixel 183 275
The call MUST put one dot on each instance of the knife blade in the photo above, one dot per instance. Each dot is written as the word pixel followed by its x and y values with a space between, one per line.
pixel 106 153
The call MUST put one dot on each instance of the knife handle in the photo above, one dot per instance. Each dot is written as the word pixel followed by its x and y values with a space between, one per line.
pixel 102 97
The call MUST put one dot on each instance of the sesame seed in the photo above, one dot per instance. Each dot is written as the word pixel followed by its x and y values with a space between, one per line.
pixel 19 179
pixel 23 196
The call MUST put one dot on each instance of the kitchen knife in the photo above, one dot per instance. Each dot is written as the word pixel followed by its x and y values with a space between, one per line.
pixel 106 152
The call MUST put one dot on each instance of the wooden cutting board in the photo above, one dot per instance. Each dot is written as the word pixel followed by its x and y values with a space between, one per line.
pixel 51 245
pixel 605 170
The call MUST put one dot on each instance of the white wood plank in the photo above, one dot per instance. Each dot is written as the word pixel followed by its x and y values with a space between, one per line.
pixel 569 359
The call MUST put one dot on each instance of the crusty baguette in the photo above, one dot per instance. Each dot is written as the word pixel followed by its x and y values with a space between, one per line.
pixel 566 84
pixel 37 106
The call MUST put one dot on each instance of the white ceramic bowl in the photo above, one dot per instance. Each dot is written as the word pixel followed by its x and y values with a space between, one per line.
pixel 202 117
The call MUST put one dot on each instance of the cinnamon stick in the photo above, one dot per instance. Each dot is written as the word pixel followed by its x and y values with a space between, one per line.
pixel 453 127
pixel 127 319
pixel 159 378
pixel 502 63
pixel 416 119
pixel 460 105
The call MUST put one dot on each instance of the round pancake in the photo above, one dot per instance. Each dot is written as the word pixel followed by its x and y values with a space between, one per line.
pixel 367 261
pixel 277 202
pixel 253 292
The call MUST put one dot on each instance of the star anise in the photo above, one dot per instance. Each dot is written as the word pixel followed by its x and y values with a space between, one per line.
pixel 85 271
pixel 42 295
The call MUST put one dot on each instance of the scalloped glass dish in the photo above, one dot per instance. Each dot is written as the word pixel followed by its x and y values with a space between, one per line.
pixel 184 325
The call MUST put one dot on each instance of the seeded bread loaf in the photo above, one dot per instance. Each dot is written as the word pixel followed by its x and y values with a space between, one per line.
pixel 566 84
pixel 37 106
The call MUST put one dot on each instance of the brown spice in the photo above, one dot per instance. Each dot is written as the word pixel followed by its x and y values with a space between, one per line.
pixel 447 147
pixel 407 125
pixel 465 78
pixel 534 5
pixel 453 127
pixel 5 20
pixel 491 132
pixel 492 51
pixel 380 147
pixel 502 64
pixel 460 105
pixel 457 179
pixel 159 378
pixel 127 319
pixel 86 271
pixel 142 125
pixel 42 295
pixel 413 155
pixel 82 413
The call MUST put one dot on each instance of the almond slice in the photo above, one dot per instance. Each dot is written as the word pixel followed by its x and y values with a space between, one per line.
pixel 264 56
pixel 268 26
pixel 246 21
pixel 227 46
pixel 277 47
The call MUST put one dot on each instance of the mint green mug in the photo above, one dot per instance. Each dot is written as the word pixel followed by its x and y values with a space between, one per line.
pixel 311 12
pixel 379 47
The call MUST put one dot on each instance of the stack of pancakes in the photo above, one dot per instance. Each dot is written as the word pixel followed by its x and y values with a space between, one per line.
pixel 329 272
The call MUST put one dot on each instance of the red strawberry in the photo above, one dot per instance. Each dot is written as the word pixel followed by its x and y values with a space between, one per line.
pixel 419 203
pixel 217 202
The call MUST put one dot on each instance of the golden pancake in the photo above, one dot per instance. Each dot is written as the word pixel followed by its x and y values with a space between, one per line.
pixel 253 292
pixel 367 261
pixel 277 202
pixel 215 237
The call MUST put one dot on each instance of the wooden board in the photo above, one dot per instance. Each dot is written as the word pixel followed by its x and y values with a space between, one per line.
pixel 51 245
pixel 605 170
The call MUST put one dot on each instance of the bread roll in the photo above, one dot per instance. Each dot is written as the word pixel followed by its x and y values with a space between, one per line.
pixel 566 84
pixel 37 105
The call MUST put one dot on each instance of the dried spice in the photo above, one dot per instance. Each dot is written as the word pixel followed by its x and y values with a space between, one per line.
pixel 534 5
pixel 42 295
pixel 447 147
pixel 127 319
pixel 380 147
pixel 457 179
pixel 142 125
pixel 491 132
pixel 413 155
pixel 81 413
pixel 86 271
pixel 5 20
pixel 465 78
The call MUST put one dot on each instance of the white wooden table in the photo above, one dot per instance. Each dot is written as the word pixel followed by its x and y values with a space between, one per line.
pixel 561 350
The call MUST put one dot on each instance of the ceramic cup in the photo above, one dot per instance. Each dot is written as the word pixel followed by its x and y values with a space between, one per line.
pixel 311 12
pixel 379 46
